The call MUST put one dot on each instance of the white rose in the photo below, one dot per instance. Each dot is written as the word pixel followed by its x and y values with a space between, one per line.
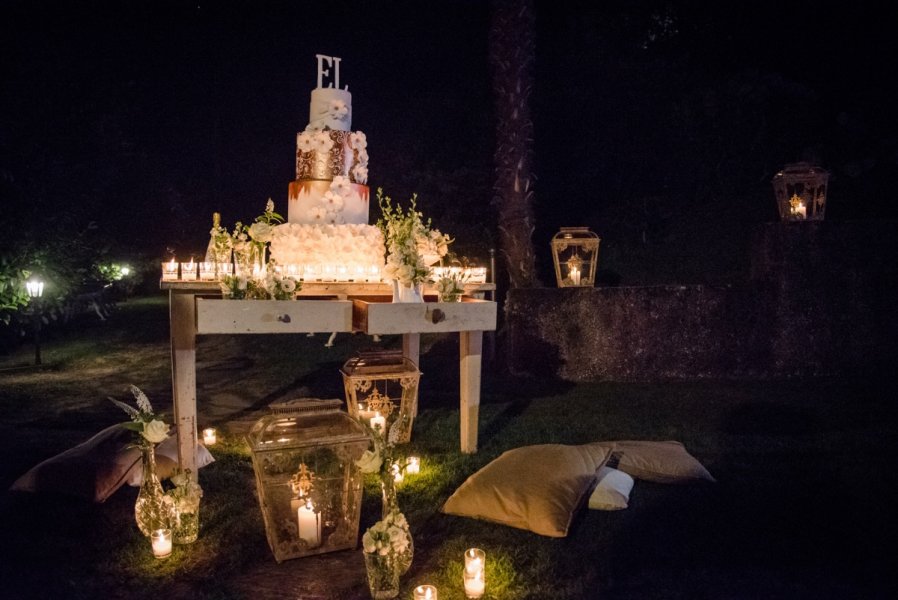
pixel 261 232
pixel 288 284
pixel 370 462
pixel 155 431
pixel 368 543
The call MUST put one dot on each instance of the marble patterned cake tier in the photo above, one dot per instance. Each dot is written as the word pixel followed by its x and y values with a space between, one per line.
pixel 327 154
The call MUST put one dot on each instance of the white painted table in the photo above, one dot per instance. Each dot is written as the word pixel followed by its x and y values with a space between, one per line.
pixel 196 308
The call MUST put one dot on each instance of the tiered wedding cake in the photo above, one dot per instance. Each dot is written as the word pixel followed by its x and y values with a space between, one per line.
pixel 327 233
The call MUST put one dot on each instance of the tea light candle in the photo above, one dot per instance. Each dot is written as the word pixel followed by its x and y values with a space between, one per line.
pixel 207 271
pixel 475 565
pixel 425 592
pixel 364 413
pixel 225 268
pixel 397 473
pixel 161 541
pixel 170 271
pixel 414 465
pixel 209 436
pixel 188 271
pixel 378 421
pixel 309 524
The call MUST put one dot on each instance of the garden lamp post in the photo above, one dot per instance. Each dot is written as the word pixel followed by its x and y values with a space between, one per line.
pixel 35 289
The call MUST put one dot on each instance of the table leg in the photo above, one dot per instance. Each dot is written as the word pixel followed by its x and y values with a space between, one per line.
pixel 182 319
pixel 470 345
pixel 411 349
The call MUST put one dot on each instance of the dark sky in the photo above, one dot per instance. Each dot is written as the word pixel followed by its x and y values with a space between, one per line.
pixel 149 116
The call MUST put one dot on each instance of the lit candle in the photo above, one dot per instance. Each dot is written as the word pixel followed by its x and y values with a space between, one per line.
pixel 188 271
pixel 309 524
pixel 207 271
pixel 475 564
pixel 364 413
pixel 575 275
pixel 161 541
pixel 209 436
pixel 414 465
pixel 225 268
pixel 425 592
pixel 397 473
pixel 378 421
pixel 169 270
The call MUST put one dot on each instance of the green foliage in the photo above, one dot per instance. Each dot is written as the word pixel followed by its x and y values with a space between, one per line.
pixel 13 295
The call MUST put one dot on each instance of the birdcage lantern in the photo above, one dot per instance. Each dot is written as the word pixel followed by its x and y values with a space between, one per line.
pixel 309 487
pixel 575 252
pixel 800 190
pixel 382 391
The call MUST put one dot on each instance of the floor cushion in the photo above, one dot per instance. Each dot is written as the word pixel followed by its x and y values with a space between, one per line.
pixel 661 462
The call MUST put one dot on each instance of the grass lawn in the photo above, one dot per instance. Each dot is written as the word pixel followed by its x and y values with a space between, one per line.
pixel 803 506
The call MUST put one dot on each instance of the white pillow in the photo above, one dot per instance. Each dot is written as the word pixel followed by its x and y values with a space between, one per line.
pixel 612 491
pixel 167 461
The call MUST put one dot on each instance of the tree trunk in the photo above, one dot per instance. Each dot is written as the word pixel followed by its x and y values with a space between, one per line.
pixel 511 54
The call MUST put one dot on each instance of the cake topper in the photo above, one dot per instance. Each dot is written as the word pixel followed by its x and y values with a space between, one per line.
pixel 324 72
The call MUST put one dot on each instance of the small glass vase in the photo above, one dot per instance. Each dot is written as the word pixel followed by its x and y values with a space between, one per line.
pixel 406 293
pixel 383 575
pixel 391 507
pixel 186 519
pixel 153 509
pixel 246 258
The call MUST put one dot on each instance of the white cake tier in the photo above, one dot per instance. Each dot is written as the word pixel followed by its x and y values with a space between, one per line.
pixel 329 252
pixel 328 154
pixel 336 202
pixel 330 108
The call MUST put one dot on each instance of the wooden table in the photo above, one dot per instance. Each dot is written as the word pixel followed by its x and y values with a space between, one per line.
pixel 196 308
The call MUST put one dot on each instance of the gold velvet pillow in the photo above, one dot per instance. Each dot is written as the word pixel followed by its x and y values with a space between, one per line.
pixel 661 462
pixel 538 488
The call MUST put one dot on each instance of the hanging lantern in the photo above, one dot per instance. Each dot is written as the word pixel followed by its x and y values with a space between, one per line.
pixel 800 190
pixel 382 391
pixel 309 487
pixel 575 251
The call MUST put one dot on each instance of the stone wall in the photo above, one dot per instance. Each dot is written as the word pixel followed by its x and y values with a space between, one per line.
pixel 821 301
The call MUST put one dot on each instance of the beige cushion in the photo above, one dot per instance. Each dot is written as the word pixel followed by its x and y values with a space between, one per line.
pixel 538 488
pixel 93 469
pixel 96 468
pixel 612 490
pixel 661 462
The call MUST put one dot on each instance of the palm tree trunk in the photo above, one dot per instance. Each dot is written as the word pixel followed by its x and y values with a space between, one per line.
pixel 511 54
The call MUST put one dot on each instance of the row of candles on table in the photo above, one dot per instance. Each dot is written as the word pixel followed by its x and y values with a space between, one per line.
pixel 475 582
pixel 210 271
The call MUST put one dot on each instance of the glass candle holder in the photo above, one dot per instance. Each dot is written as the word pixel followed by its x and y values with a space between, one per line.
pixel 225 268
pixel 188 271
pixel 162 543
pixel 475 568
pixel 413 467
pixel 170 271
pixel 209 436
pixel 425 592
pixel 207 271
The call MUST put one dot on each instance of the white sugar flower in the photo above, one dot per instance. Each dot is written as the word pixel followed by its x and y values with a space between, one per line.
pixel 332 201
pixel 317 213
pixel 360 174
pixel 357 140
pixel 363 157
pixel 323 142
pixel 341 185
pixel 304 142
pixel 338 110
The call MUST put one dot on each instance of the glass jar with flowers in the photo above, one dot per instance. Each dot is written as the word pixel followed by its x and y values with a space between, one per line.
pixel 260 232
pixel 385 545
pixel 411 245
pixel 153 509
pixel 185 497
pixel 384 460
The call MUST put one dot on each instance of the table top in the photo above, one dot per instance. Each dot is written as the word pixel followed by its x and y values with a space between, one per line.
pixel 317 288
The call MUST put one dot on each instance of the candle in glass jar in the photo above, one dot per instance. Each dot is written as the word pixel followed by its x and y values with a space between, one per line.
pixel 425 592
pixel 170 270
pixel 207 271
pixel 414 465
pixel 378 421
pixel 209 436
pixel 475 565
pixel 161 541
pixel 309 524
pixel 188 271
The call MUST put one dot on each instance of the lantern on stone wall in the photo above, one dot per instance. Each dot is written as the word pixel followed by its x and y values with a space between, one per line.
pixel 800 190
pixel 575 251
pixel 310 489
pixel 382 391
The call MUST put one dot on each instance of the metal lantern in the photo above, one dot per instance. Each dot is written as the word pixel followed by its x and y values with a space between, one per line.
pixel 575 251
pixel 310 488
pixel 800 190
pixel 382 391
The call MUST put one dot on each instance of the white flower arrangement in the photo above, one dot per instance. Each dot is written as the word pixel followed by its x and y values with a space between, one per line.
pixel 186 487
pixel 150 430
pixel 406 235
pixel 387 536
